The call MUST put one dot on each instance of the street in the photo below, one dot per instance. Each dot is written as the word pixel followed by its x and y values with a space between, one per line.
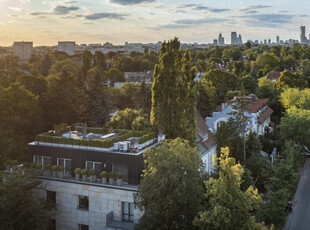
pixel 299 218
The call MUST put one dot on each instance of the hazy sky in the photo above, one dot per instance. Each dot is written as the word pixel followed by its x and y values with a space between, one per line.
pixel 117 21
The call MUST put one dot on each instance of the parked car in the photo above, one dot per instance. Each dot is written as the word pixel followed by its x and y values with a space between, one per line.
pixel 289 206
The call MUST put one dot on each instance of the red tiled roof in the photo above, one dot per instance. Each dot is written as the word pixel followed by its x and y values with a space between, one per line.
pixel 273 75
pixel 264 115
pixel 257 105
pixel 203 130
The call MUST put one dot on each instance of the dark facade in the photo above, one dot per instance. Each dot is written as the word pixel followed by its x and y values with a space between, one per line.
pixel 133 162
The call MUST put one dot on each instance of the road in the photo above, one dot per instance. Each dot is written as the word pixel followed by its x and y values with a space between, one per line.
pixel 299 219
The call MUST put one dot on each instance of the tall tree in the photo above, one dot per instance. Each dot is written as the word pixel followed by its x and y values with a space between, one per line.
pixel 99 60
pixel 227 206
pixel 171 189
pixel 86 62
pixel 19 209
pixel 97 105
pixel 173 93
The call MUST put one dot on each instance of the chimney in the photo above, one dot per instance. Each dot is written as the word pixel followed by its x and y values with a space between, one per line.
pixel 84 131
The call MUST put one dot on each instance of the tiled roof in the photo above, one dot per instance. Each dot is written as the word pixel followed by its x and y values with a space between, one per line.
pixel 273 75
pixel 264 115
pixel 203 134
pixel 257 105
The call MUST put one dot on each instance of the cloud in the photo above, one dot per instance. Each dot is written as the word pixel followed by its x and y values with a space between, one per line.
pixel 38 13
pixel 106 15
pixel 71 2
pixel 201 7
pixel 254 7
pixel 130 2
pixel 62 10
pixel 24 1
pixel 267 20
pixel 199 21
pixel 15 9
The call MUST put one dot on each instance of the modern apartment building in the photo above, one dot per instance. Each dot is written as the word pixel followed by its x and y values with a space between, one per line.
pixel 67 47
pixel 91 203
pixel 23 50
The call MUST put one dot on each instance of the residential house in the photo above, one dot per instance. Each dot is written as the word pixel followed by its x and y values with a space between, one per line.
pixel 258 113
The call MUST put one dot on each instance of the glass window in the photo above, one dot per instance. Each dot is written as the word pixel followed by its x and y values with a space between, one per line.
pixel 42 160
pixel 117 168
pixel 83 227
pixel 83 202
pixel 128 211
pixel 51 224
pixel 51 197
pixel 66 163
pixel 94 165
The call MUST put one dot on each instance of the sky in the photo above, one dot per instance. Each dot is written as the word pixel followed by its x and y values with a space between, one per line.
pixel 117 21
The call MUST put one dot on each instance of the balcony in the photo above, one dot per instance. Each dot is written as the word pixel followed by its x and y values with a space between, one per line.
pixel 118 225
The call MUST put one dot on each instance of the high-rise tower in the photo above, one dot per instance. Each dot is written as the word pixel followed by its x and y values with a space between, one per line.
pixel 303 34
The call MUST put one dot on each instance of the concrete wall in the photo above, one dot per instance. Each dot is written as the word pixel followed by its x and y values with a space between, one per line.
pixel 102 200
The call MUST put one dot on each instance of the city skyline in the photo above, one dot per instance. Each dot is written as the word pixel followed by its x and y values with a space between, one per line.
pixel 46 22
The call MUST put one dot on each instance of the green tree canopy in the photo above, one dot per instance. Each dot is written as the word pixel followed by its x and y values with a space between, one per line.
pixel 288 79
pixel 295 98
pixel 227 206
pixel 171 189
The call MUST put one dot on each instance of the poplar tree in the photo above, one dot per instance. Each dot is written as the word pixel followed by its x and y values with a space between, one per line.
pixel 174 93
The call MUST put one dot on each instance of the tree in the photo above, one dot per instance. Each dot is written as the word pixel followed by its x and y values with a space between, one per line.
pixel 36 84
pixel 238 68
pixel 45 65
pixel 295 98
pixel 21 119
pixel 222 81
pixel 250 84
pixel 86 62
pixel 173 93
pixel 130 119
pixel 227 135
pixel 288 79
pixel 205 97
pixel 97 105
pixel 295 126
pixel 171 189
pixel 99 60
pixel 227 206
pixel 19 208
pixel 267 62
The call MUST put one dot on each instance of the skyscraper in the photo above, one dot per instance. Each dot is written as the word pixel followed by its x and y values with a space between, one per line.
pixel 233 38
pixel 302 34
pixel 278 40
pixel 221 40
pixel 239 40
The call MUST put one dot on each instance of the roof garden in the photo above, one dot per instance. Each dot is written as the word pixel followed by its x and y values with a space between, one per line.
pixel 104 138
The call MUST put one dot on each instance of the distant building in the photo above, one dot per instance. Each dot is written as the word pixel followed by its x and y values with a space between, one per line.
pixel 303 38
pixel 214 41
pixel 23 50
pixel 221 40
pixel 278 40
pixel 239 40
pixel 273 76
pixel 233 38
pixel 67 47
pixel 137 77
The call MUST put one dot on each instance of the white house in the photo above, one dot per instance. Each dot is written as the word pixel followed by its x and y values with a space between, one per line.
pixel 206 143
pixel 258 113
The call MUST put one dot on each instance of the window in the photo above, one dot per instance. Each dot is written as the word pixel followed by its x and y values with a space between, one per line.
pixel 51 197
pixel 83 227
pixel 42 160
pixel 127 211
pixel 51 224
pixel 94 165
pixel 121 169
pixel 66 163
pixel 83 202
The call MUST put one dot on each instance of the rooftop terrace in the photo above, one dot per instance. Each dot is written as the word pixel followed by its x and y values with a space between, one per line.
pixel 98 139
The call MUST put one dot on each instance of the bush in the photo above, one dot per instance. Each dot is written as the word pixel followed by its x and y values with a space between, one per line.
pixel 112 175
pixel 104 174
pixel 91 172
pixel 26 164
pixel 61 168
pixel 14 162
pixel 8 162
pixel 47 167
pixel 54 168
pixel 119 176
pixel 84 171
pixel 32 165
pixel 38 166
pixel 77 171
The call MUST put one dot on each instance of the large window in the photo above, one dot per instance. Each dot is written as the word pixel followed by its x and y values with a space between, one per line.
pixel 83 202
pixel 94 165
pixel 42 160
pixel 127 211
pixel 83 227
pixel 51 197
pixel 118 168
pixel 66 163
